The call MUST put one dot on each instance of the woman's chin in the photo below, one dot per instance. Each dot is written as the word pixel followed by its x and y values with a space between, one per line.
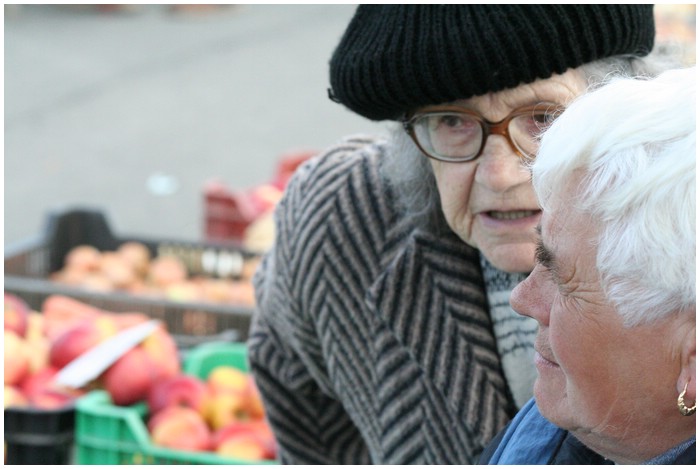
pixel 549 400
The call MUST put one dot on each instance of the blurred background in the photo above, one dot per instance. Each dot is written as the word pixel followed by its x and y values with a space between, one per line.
pixel 134 109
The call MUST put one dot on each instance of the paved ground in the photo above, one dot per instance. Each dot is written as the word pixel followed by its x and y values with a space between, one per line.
pixel 132 112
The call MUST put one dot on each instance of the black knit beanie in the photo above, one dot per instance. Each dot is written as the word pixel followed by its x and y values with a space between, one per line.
pixel 395 58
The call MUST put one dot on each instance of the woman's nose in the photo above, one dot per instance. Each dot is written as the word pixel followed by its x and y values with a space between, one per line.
pixel 498 167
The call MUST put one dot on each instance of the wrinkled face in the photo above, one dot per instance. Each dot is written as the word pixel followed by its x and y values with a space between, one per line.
pixel 489 202
pixel 596 378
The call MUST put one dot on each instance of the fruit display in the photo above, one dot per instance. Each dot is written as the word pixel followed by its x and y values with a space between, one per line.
pixel 38 345
pixel 132 269
pixel 220 413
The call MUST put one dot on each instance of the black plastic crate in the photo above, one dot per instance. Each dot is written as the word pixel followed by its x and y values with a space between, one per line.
pixel 29 263
pixel 34 436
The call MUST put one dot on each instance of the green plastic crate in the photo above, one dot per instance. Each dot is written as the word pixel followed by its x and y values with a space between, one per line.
pixel 107 434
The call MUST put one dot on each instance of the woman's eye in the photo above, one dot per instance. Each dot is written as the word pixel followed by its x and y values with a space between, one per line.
pixel 451 121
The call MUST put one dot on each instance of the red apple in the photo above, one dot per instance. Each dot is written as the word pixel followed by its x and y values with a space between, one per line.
pixel 224 408
pixel 130 378
pixel 252 440
pixel 181 428
pixel 180 390
pixel 79 339
pixel 16 314
pixel 62 313
pixel 38 381
pixel 248 447
pixel 54 398
pixel 161 350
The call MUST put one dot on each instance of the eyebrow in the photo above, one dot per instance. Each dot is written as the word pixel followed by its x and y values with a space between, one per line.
pixel 543 255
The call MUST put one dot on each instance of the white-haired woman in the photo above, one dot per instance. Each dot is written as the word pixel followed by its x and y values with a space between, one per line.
pixel 613 289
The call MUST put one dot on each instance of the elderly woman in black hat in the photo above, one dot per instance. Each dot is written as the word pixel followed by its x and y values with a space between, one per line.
pixel 613 289
pixel 383 332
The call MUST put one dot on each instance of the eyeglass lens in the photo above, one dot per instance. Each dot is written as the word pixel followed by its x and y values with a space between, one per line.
pixel 459 136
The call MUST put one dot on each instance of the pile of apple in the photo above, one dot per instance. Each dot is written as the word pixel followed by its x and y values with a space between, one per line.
pixel 222 413
pixel 131 268
pixel 39 344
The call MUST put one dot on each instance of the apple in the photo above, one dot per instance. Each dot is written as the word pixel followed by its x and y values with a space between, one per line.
pixel 36 342
pixel 117 269
pixel 227 379
pixel 54 398
pixel 83 257
pixel 161 350
pixel 137 255
pixel 254 403
pixel 166 270
pixel 38 381
pixel 179 390
pixel 181 428
pixel 243 446
pixel 130 378
pixel 71 275
pixel 35 326
pixel 62 313
pixel 16 314
pixel 252 440
pixel 39 353
pixel 16 358
pixel 216 290
pixel 80 338
pixel 224 408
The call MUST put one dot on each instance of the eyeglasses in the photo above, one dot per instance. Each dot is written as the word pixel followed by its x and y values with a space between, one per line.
pixel 456 134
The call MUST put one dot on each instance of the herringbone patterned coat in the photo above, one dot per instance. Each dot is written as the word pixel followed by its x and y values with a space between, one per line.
pixel 371 341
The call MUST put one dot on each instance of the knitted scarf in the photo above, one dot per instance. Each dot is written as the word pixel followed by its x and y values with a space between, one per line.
pixel 515 334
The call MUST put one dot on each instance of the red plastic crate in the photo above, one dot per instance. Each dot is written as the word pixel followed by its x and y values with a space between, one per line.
pixel 228 213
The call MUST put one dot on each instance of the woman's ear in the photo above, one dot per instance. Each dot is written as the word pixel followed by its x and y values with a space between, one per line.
pixel 687 371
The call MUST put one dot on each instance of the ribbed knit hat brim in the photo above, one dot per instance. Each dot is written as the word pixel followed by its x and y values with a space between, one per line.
pixel 395 58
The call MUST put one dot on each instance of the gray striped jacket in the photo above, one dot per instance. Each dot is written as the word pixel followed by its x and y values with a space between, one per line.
pixel 371 342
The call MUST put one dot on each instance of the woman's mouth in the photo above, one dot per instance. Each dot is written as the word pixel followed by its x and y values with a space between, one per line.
pixel 512 214
pixel 542 362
